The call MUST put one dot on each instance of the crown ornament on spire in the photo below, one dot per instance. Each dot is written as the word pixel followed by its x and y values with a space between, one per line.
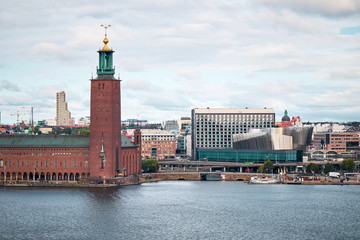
pixel 105 41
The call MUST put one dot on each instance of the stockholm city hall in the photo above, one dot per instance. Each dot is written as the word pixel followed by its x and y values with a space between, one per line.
pixel 105 155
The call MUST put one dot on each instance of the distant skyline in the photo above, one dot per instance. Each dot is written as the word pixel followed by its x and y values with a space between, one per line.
pixel 173 56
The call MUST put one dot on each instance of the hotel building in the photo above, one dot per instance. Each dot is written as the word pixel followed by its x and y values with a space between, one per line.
pixel 213 128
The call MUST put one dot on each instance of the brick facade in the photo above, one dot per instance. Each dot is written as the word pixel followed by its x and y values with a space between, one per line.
pixel 48 164
pixel 105 127
pixel 70 158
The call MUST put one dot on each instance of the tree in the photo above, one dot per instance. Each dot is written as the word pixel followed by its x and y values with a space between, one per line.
pixel 347 165
pixel 150 165
pixel 267 167
pixel 329 168
pixel 67 131
pixel 84 132
pixel 312 167
pixel 36 129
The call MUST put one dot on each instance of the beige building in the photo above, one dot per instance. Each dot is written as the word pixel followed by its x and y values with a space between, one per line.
pixel 63 115
pixel 157 144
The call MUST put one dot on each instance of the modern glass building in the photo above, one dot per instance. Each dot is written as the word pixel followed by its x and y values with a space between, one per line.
pixel 213 128
pixel 250 156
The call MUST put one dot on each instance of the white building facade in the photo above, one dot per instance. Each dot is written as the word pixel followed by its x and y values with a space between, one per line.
pixel 213 128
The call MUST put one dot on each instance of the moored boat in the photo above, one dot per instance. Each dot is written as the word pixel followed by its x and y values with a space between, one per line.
pixel 263 180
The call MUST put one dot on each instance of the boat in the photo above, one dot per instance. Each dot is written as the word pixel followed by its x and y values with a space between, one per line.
pixel 263 180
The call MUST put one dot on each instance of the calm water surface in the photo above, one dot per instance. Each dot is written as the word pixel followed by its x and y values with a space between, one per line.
pixel 182 210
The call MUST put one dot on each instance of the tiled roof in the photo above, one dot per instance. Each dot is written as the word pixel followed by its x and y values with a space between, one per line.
pixel 44 141
pixel 53 141
pixel 126 142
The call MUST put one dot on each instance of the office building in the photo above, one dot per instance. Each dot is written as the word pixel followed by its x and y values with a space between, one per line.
pixel 134 122
pixel 158 144
pixel 171 125
pixel 341 142
pixel 84 121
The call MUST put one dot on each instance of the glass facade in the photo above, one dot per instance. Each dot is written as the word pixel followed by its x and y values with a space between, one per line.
pixel 214 128
pixel 250 156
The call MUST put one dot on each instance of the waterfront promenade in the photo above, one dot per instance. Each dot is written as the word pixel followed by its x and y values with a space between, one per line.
pixel 185 176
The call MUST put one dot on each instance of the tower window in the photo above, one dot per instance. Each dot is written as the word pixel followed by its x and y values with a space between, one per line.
pixel 99 85
pixel 103 85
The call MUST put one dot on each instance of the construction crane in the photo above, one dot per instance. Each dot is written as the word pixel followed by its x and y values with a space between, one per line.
pixel 17 114
pixel 32 114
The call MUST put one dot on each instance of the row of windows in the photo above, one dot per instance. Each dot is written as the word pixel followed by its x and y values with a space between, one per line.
pixel 232 121
pixel 149 138
pixel 169 152
pixel 159 149
pixel 103 85
pixel 232 125
pixel 43 154
pixel 158 143
pixel 231 116
pixel 41 163
pixel 45 149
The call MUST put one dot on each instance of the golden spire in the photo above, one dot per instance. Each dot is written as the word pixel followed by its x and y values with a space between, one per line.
pixel 105 41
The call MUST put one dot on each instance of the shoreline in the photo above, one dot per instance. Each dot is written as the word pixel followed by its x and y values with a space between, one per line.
pixel 153 180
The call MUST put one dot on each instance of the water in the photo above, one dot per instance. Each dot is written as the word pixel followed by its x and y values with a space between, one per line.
pixel 182 210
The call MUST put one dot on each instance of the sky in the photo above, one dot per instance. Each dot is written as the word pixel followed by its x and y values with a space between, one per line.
pixel 173 56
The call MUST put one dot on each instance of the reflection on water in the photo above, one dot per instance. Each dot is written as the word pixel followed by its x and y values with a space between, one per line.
pixel 181 210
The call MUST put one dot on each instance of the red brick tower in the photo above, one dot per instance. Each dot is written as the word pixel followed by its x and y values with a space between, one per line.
pixel 105 125
pixel 137 141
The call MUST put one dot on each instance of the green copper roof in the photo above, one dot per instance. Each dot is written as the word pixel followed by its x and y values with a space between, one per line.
pixel 44 141
pixel 53 141
pixel 126 142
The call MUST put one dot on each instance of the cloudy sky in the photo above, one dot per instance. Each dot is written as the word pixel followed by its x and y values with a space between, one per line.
pixel 299 55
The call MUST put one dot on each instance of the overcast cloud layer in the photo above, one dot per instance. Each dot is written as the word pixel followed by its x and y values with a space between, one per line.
pixel 299 55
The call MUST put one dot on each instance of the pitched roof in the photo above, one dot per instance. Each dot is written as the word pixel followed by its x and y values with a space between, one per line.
pixel 44 141
pixel 126 142
pixel 53 141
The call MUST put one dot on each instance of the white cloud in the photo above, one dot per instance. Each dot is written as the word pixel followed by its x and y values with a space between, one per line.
pixel 189 74
pixel 176 55
pixel 49 51
pixel 329 8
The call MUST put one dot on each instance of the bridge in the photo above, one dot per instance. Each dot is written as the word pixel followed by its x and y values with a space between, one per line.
pixel 208 166
pixel 236 167
pixel 326 154
pixel 198 176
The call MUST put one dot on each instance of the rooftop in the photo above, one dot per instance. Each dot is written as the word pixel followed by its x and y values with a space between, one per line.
pixel 233 110
pixel 80 141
